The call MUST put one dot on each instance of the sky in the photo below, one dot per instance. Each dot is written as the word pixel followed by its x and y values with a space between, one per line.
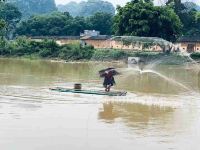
pixel 119 2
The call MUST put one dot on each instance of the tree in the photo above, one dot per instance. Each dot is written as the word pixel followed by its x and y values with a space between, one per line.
pixel 11 15
pixel 87 8
pixel 186 12
pixel 2 30
pixel 55 24
pixel 142 18
pixel 2 24
pixel 62 24
pixel 195 30
pixel 102 22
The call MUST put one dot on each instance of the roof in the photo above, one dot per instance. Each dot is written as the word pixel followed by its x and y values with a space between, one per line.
pixel 138 39
pixel 189 39
pixel 99 37
pixel 56 37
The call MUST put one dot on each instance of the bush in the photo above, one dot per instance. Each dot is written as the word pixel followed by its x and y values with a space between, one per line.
pixel 45 52
pixel 195 55
pixel 104 54
pixel 76 52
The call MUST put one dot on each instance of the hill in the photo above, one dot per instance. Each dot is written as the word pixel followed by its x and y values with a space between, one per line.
pixel 33 7
pixel 192 5
pixel 87 8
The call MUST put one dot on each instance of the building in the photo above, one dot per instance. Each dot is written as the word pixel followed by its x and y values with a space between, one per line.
pixel 90 33
pixel 93 38
pixel 104 41
pixel 100 41
pixel 189 44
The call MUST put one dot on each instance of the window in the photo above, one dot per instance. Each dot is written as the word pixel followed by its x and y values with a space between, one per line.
pixel 190 48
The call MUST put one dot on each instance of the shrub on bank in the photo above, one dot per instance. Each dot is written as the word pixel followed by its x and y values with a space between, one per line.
pixel 23 47
pixel 109 54
pixel 195 55
pixel 76 52
pixel 46 49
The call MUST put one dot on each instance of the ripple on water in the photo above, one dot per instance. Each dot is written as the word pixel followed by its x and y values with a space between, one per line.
pixel 14 94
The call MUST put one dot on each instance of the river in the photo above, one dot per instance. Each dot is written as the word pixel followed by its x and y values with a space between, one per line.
pixel 160 111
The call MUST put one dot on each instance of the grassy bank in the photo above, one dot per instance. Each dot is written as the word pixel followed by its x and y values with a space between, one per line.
pixel 23 47
pixel 195 56
pixel 49 49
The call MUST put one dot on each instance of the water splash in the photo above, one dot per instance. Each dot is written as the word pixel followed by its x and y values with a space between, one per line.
pixel 135 70
pixel 165 78
pixel 191 60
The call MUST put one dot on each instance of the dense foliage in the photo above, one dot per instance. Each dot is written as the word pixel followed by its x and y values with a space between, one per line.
pixel 2 24
pixel 45 49
pixel 33 7
pixel 187 13
pixel 62 24
pixel 87 8
pixel 142 18
pixel 101 22
pixel 9 16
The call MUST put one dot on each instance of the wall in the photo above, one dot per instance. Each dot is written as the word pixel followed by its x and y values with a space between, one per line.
pixel 119 45
pixel 198 47
pixel 98 43
pixel 183 46
pixel 61 41
pixel 66 41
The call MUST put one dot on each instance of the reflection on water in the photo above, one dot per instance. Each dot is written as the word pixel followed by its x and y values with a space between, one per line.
pixel 136 115
pixel 161 110
pixel 199 80
pixel 133 113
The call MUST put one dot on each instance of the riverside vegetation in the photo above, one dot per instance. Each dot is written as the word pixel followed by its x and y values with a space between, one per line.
pixel 49 49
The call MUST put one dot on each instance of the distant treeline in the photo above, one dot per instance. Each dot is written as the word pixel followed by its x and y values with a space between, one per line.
pixel 136 18
pixel 62 24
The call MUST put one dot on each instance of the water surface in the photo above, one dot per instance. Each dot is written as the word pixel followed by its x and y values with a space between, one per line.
pixel 161 110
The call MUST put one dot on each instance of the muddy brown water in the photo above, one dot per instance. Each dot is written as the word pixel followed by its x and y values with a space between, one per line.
pixel 160 111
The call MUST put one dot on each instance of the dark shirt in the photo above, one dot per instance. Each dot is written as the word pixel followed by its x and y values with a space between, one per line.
pixel 109 80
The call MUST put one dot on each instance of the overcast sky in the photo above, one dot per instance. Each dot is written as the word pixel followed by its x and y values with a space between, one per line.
pixel 118 2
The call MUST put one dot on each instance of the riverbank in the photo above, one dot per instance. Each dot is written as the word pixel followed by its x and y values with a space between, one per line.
pixel 50 50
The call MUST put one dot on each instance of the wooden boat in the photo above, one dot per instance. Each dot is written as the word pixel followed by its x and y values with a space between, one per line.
pixel 91 92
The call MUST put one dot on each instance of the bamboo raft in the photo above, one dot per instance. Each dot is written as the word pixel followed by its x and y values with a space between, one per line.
pixel 90 92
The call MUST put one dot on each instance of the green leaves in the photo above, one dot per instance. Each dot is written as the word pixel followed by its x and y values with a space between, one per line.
pixel 2 24
pixel 11 15
pixel 62 24
pixel 142 18
pixel 101 22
